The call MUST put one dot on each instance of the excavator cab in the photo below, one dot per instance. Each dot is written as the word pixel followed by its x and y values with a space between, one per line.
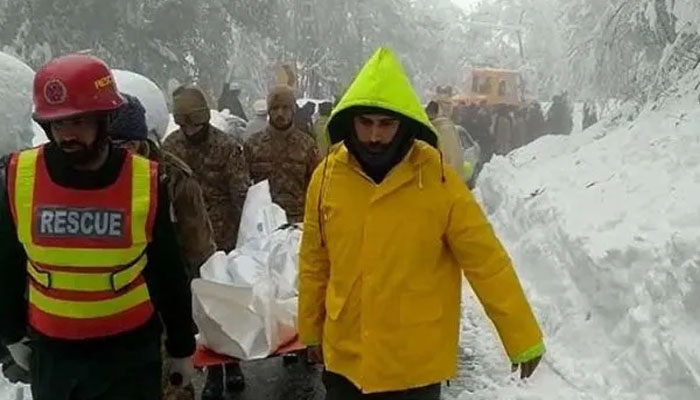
pixel 494 86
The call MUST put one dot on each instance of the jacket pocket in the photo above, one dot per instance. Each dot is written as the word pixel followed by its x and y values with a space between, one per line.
pixel 420 307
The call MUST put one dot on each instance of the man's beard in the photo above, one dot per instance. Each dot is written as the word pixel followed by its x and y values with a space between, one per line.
pixel 282 125
pixel 377 148
pixel 77 153
pixel 377 159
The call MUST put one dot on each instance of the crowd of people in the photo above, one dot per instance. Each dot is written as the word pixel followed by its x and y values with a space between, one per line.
pixel 502 128
pixel 498 129
pixel 102 229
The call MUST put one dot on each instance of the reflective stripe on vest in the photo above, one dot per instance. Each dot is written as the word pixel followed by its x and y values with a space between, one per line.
pixel 86 249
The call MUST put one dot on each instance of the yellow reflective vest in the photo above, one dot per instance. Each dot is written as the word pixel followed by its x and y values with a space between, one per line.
pixel 86 249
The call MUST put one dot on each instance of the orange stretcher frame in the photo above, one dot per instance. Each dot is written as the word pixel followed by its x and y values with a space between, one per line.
pixel 204 357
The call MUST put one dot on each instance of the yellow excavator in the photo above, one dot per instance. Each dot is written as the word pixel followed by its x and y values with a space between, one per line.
pixel 493 86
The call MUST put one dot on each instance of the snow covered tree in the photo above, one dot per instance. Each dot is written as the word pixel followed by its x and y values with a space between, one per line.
pixel 629 50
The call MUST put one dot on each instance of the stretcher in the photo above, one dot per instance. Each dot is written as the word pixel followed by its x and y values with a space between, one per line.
pixel 204 357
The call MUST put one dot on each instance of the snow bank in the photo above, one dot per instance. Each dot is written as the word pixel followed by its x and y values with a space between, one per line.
pixel 16 81
pixel 604 228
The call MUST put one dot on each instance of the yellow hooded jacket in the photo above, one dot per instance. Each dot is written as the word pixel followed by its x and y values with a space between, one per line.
pixel 380 265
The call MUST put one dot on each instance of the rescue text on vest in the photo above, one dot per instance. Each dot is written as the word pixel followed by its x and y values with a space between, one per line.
pixel 77 222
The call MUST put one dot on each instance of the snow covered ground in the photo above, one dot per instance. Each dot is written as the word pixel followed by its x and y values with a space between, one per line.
pixel 604 227
pixel 13 392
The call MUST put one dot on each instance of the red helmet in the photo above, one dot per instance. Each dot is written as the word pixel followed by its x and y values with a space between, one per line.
pixel 73 85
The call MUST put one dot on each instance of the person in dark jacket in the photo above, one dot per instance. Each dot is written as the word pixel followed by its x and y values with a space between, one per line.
pixel 89 275
pixel 230 100
pixel 194 230
pixel 503 129
pixel 560 120
pixel 304 118
pixel 483 133
pixel 535 121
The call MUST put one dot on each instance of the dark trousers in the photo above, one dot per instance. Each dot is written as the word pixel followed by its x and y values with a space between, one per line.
pixel 339 388
pixel 115 374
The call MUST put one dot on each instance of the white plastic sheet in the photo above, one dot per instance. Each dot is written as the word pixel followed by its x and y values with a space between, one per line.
pixel 16 79
pixel 245 302
pixel 260 217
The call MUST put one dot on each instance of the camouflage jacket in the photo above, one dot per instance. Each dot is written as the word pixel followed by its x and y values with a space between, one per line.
pixel 219 166
pixel 188 213
pixel 287 160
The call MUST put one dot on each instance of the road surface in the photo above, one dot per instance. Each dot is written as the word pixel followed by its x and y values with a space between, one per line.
pixel 272 380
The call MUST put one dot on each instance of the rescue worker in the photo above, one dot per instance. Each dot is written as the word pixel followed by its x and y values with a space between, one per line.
pixel 321 127
pixel 87 238
pixel 387 232
pixel 220 168
pixel 129 130
pixel 259 121
pixel 283 155
pixel 448 139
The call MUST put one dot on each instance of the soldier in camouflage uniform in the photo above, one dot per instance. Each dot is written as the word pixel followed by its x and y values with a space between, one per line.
pixel 188 212
pixel 219 166
pixel 217 161
pixel 283 154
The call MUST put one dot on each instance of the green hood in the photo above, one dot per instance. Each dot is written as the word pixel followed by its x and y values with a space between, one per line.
pixel 382 83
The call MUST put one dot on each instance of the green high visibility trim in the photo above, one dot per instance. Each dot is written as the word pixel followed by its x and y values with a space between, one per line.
pixel 383 83
pixel 531 354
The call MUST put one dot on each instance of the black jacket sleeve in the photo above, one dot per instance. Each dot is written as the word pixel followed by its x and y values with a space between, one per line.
pixel 13 272
pixel 167 281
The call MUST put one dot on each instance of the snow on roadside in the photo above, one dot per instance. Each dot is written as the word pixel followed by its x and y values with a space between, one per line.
pixel 604 227
pixel 9 391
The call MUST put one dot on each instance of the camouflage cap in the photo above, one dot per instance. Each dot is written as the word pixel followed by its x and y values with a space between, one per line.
pixel 188 100
pixel 281 95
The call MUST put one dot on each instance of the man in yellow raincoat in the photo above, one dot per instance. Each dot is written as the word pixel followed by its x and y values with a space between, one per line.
pixel 388 230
